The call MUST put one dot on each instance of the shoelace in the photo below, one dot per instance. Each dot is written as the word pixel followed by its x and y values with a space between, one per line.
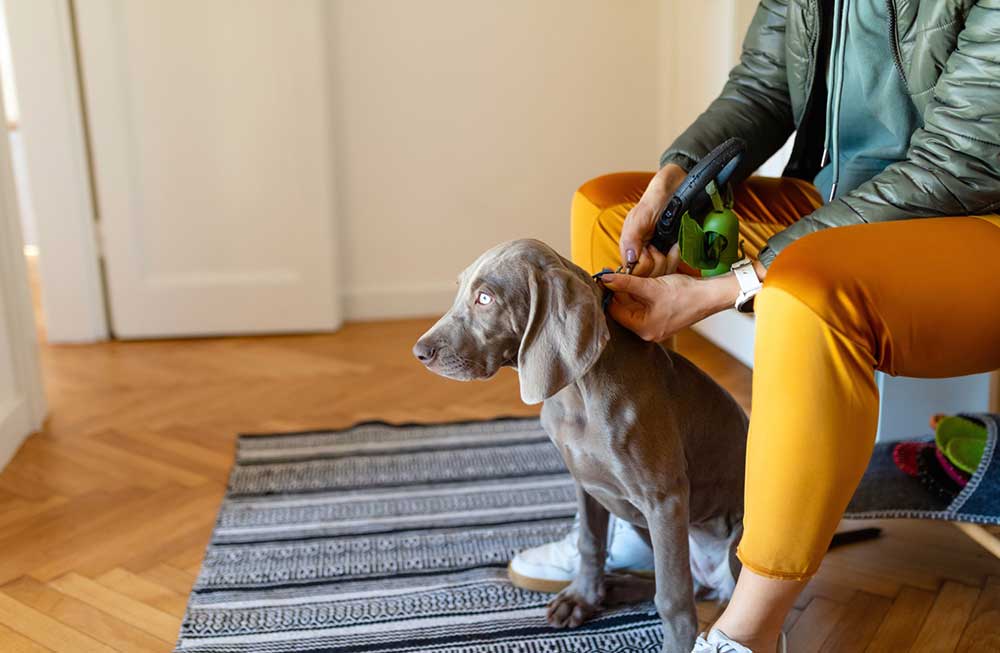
pixel 705 646
pixel 725 647
pixel 717 647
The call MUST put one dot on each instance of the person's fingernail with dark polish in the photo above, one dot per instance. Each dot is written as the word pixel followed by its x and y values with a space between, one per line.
pixel 630 256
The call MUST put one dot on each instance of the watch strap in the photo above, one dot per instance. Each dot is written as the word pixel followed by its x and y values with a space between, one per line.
pixel 750 284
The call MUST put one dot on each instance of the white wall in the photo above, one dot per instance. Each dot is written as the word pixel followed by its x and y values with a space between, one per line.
pixel 457 124
pixel 699 42
pixel 462 124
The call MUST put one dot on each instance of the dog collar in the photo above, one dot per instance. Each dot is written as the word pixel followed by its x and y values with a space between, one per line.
pixel 597 276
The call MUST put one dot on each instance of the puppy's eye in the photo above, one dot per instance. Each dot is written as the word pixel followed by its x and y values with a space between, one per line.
pixel 483 299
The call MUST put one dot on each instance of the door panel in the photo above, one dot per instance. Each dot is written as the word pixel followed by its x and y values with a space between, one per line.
pixel 212 155
pixel 15 415
pixel 22 400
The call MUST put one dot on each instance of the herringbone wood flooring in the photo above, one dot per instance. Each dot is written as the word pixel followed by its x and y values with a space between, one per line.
pixel 105 514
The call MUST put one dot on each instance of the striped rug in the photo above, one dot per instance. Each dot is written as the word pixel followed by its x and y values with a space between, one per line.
pixel 392 538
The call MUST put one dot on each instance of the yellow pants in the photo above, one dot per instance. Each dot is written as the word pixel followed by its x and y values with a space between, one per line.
pixel 912 297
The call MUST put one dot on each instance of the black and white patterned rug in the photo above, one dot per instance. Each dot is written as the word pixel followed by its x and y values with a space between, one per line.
pixel 386 538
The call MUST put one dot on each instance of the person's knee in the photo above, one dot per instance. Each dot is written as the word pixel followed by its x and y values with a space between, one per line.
pixel 598 211
pixel 818 271
pixel 614 188
pixel 811 270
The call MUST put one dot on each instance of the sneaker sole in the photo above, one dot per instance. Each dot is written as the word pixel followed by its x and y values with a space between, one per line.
pixel 547 586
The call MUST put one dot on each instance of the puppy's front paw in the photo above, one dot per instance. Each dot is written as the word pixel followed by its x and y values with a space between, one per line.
pixel 572 607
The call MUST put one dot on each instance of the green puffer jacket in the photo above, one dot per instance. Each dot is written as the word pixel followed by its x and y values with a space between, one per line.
pixel 948 55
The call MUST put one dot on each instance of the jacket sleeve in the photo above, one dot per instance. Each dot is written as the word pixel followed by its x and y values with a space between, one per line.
pixel 754 103
pixel 952 166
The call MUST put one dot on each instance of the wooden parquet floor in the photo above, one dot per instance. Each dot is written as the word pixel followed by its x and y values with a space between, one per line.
pixel 104 516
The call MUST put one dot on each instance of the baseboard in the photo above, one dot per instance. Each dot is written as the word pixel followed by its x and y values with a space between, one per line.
pixel 906 404
pixel 15 427
pixel 402 301
pixel 731 332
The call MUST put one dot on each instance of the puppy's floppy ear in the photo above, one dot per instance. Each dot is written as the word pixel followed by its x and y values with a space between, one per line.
pixel 565 334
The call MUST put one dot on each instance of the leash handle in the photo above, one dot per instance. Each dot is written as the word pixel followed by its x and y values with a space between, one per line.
pixel 718 166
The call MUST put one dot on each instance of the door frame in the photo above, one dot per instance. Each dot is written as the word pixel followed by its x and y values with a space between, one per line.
pixel 22 413
pixel 53 129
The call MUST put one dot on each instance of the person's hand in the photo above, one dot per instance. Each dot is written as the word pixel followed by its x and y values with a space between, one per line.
pixel 640 222
pixel 656 308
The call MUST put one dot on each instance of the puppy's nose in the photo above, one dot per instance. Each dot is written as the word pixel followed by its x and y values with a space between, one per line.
pixel 424 351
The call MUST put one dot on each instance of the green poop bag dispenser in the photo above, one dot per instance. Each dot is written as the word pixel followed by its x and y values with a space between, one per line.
pixel 700 216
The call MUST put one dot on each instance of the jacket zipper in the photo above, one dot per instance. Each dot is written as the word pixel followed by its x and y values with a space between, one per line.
pixel 897 58
pixel 836 88
pixel 814 49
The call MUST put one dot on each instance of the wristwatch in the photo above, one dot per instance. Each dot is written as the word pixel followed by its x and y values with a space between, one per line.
pixel 750 285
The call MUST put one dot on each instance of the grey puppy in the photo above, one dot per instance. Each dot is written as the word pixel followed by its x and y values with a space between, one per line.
pixel 646 435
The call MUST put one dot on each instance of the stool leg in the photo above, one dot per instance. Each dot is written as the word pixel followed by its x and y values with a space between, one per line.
pixel 982 536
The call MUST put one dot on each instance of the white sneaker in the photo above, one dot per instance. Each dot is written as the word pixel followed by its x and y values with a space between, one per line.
pixel 551 567
pixel 718 642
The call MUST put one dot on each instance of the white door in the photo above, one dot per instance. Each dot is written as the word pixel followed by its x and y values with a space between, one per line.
pixel 210 128
pixel 22 403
